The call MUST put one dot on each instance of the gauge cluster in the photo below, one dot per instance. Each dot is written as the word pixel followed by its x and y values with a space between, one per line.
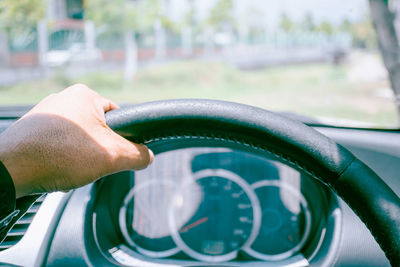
pixel 212 205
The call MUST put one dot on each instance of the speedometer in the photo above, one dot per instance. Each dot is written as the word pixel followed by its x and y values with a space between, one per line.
pixel 226 220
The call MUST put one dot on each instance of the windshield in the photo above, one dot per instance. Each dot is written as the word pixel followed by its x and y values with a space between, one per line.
pixel 322 60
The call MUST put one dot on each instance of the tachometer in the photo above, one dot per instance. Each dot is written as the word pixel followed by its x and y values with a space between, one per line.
pixel 143 218
pixel 227 218
pixel 285 223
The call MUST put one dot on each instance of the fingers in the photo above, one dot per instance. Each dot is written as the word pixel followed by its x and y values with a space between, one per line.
pixel 81 90
pixel 107 104
pixel 124 154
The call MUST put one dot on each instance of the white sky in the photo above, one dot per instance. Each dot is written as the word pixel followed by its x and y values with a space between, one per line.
pixel 268 12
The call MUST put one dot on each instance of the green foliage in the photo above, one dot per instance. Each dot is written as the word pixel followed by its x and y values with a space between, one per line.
pixel 345 25
pixel 326 27
pixel 221 14
pixel 362 32
pixel 116 15
pixel 146 12
pixel 286 24
pixel 189 17
pixel 308 23
pixel 105 13
pixel 122 15
pixel 22 16
pixel 190 20
pixel 168 24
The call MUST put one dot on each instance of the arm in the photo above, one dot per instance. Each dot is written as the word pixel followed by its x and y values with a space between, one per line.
pixel 64 143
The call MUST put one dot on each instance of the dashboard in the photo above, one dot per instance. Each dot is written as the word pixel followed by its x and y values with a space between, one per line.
pixel 210 206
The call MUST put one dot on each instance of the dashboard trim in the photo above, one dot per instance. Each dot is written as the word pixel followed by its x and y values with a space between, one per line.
pixel 40 232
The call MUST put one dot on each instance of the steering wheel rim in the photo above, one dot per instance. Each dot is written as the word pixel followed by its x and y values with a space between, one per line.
pixel 288 140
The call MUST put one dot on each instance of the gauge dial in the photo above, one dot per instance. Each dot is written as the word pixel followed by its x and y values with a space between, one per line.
pixel 143 218
pixel 285 223
pixel 227 219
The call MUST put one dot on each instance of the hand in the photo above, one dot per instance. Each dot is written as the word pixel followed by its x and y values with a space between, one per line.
pixel 64 143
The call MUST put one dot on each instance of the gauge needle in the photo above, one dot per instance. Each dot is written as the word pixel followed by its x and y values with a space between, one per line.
pixel 193 224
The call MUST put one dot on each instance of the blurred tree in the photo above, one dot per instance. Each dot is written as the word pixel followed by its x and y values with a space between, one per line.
pixel 345 25
pixel 189 18
pixel 125 19
pixel 161 10
pixel 383 19
pixel 122 15
pixel 308 23
pixel 325 27
pixel 362 33
pixel 286 24
pixel 254 19
pixel 221 15
pixel 187 27
pixel 106 14
pixel 220 19
pixel 19 19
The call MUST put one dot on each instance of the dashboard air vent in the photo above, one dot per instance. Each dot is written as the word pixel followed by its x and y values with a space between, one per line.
pixel 18 230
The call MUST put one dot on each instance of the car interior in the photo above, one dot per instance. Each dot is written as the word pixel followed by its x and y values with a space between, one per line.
pixel 236 180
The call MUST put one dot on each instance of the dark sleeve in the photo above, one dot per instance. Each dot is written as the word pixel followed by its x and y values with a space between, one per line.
pixel 10 208
pixel 7 201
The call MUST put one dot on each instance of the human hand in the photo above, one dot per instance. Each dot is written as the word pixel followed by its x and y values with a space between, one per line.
pixel 64 143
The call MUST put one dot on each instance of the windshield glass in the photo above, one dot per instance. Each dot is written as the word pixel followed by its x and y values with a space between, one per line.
pixel 321 60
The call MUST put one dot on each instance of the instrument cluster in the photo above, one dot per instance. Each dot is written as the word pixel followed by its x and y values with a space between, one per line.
pixel 219 205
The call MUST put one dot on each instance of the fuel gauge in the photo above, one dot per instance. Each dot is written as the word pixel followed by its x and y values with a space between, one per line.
pixel 285 223
pixel 143 218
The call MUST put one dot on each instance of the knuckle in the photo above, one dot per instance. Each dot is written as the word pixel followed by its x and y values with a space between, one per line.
pixel 80 88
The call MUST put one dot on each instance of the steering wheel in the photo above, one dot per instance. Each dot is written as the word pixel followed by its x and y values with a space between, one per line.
pixel 167 125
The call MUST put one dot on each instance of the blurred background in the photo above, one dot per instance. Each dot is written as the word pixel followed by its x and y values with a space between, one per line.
pixel 323 60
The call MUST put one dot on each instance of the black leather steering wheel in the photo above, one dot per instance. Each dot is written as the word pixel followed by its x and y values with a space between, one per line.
pixel 161 123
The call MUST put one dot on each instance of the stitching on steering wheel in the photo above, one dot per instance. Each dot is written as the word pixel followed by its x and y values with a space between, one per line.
pixel 278 155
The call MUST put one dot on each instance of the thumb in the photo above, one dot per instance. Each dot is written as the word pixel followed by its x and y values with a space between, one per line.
pixel 128 155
